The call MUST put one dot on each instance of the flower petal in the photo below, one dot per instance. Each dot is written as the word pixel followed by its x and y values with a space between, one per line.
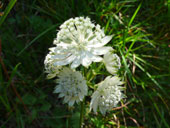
pixel 94 104
pixel 76 62
pixel 57 89
pixel 101 50
pixel 60 56
pixel 97 59
pixel 102 110
pixel 86 58
pixel 106 39
pixel 65 61
pixel 71 102
pixel 103 42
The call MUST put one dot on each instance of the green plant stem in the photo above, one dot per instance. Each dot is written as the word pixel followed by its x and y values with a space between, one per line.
pixel 81 113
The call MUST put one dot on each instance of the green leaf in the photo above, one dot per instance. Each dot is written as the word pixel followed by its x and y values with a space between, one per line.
pixel 29 99
pixel 45 107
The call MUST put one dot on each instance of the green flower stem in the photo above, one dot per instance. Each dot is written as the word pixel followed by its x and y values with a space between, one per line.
pixel 81 113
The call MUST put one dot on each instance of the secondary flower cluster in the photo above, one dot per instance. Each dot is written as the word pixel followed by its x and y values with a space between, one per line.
pixel 71 85
pixel 107 95
pixel 79 43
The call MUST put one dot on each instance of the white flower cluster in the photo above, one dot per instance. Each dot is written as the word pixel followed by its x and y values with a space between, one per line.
pixel 107 95
pixel 81 42
pixel 71 85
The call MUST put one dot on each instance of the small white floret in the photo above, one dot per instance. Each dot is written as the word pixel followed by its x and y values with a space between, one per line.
pixel 112 62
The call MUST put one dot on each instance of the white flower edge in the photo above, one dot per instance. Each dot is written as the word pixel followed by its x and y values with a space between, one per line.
pixel 50 69
pixel 112 62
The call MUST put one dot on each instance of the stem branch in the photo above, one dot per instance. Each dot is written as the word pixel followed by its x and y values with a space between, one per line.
pixel 81 114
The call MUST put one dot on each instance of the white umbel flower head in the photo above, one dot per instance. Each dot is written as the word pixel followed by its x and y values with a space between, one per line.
pixel 80 41
pixel 50 69
pixel 107 95
pixel 112 62
pixel 71 85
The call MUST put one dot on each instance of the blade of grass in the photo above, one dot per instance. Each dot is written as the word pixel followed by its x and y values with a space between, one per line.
pixel 7 106
pixel 156 119
pixel 125 32
pixel 107 25
pixel 148 74
pixel 7 10
pixel 126 67
pixel 12 74
pixel 158 111
pixel 56 16
pixel 134 15
pixel 36 38
pixel 143 61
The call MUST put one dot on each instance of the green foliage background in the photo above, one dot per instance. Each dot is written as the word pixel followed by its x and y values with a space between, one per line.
pixel 141 32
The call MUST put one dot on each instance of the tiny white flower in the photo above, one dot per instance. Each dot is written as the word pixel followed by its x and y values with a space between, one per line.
pixel 50 69
pixel 71 85
pixel 78 42
pixel 107 95
pixel 112 62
